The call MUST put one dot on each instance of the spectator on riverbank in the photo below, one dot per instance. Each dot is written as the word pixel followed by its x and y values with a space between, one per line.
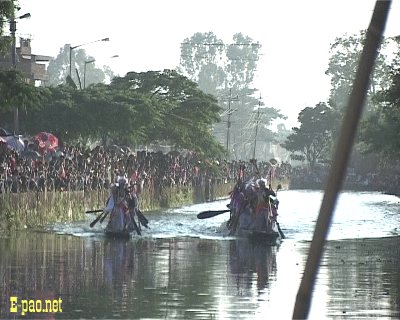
pixel 76 167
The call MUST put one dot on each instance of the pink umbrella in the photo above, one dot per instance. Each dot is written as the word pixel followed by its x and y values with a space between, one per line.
pixel 46 141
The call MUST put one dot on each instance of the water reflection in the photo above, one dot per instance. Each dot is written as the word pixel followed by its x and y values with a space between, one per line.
pixel 249 259
pixel 181 275
pixel 362 278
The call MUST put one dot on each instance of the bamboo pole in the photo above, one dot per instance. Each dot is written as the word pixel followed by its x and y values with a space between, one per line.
pixel 343 149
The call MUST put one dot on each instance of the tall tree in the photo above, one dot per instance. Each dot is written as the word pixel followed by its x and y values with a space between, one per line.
pixel 312 140
pixel 58 69
pixel 380 131
pixel 140 108
pixel 6 13
pixel 183 113
pixel 15 92
pixel 226 71
pixel 342 67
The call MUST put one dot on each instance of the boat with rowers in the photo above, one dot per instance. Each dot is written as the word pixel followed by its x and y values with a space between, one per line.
pixel 125 218
pixel 253 211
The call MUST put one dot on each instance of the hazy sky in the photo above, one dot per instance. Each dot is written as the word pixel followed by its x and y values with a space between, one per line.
pixel 295 36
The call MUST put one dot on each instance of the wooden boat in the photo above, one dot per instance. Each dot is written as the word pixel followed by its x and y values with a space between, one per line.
pixel 253 208
pixel 253 213
pixel 271 237
pixel 117 235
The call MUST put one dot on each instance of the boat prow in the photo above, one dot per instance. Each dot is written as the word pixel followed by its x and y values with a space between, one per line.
pixel 118 235
pixel 272 237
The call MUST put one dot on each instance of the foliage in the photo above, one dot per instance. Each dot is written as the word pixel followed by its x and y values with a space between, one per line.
pixel 14 91
pixel 312 140
pixel 380 131
pixel 58 69
pixel 180 112
pixel 6 13
pixel 140 108
pixel 342 67
pixel 227 71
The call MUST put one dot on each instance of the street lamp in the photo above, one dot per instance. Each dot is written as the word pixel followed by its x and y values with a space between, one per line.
pixel 84 68
pixel 74 47
pixel 13 29
pixel 84 72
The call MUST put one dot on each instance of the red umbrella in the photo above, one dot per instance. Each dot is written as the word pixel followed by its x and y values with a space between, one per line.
pixel 47 141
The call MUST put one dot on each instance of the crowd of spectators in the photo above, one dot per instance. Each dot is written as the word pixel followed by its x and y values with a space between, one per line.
pixel 381 179
pixel 76 167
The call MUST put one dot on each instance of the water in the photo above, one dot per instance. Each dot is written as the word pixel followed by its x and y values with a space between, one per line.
pixel 184 268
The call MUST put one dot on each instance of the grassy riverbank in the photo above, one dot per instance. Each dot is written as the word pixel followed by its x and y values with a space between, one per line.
pixel 36 209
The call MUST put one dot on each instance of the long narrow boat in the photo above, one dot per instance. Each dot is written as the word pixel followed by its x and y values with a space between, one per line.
pixel 271 237
pixel 254 211
pixel 117 235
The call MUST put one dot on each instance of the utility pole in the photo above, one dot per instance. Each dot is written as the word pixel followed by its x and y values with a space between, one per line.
pixel 13 29
pixel 257 121
pixel 228 133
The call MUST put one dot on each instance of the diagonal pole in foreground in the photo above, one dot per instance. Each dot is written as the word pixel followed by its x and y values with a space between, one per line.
pixel 343 149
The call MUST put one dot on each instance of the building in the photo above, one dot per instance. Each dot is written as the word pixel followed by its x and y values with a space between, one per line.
pixel 32 65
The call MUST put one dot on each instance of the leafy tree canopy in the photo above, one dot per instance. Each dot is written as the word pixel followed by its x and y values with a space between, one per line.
pixel 83 68
pixel 14 91
pixel 6 12
pixel 380 131
pixel 342 67
pixel 311 141
pixel 227 71
pixel 139 108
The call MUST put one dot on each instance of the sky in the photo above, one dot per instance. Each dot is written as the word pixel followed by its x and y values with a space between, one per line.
pixel 146 35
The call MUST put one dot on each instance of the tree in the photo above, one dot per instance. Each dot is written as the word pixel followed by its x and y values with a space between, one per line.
pixel 58 68
pixel 380 131
pixel 15 92
pixel 140 108
pixel 6 12
pixel 342 67
pixel 312 140
pixel 179 112
pixel 227 72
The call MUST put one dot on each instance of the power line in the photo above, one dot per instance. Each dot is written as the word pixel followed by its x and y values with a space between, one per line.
pixel 221 44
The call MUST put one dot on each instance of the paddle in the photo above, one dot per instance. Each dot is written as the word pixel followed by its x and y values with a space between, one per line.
pixel 143 220
pixel 135 226
pixel 102 219
pixel 280 230
pixel 97 219
pixel 94 211
pixel 210 213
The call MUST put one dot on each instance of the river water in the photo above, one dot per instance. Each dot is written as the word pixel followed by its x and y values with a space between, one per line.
pixel 184 268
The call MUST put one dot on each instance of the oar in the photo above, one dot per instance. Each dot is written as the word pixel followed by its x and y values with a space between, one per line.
pixel 94 211
pixel 143 220
pixel 103 217
pixel 97 219
pixel 210 213
pixel 135 226
pixel 280 230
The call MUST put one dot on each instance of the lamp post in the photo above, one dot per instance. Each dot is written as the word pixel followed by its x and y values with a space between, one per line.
pixel 80 45
pixel 84 72
pixel 13 29
pixel 257 123
pixel 84 68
